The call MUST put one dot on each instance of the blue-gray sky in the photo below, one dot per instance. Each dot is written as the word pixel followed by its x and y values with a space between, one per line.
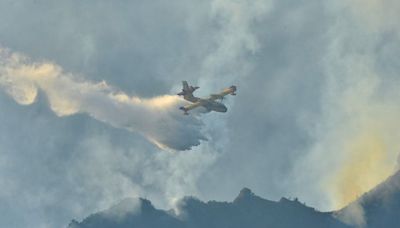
pixel 316 115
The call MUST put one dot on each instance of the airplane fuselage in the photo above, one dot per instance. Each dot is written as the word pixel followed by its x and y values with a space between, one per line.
pixel 214 106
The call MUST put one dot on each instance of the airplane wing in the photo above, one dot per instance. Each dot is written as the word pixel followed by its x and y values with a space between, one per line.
pixel 189 107
pixel 231 90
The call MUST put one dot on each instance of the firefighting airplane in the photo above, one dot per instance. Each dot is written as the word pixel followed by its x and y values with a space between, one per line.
pixel 211 103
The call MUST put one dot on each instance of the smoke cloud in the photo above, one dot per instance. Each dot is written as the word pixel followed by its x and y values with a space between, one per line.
pixel 216 36
pixel 353 214
pixel 356 137
pixel 322 87
pixel 363 112
pixel 235 40
pixel 158 119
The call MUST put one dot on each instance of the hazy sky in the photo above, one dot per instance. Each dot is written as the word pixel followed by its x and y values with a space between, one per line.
pixel 84 91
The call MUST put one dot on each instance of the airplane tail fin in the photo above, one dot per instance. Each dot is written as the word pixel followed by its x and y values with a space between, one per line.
pixel 187 90
pixel 185 85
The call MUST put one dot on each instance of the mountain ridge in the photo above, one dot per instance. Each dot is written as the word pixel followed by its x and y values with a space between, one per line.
pixel 378 207
pixel 246 210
